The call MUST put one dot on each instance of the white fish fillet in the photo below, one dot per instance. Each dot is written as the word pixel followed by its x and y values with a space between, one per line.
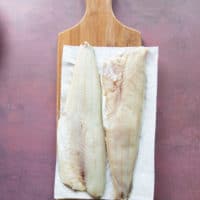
pixel 123 83
pixel 82 160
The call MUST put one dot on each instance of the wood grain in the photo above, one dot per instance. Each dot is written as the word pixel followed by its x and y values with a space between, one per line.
pixel 99 27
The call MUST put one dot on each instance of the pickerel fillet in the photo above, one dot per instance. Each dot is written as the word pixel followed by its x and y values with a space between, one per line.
pixel 80 139
pixel 124 82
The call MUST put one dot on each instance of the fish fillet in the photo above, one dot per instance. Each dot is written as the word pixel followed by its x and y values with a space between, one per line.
pixel 123 83
pixel 82 159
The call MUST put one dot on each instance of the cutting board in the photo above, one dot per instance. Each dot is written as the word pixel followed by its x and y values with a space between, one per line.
pixel 99 27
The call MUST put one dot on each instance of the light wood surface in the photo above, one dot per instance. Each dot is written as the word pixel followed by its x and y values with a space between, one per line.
pixel 99 27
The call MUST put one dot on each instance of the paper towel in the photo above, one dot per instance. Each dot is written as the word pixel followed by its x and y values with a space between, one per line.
pixel 143 177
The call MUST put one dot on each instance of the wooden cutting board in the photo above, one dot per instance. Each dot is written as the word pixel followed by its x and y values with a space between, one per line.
pixel 99 27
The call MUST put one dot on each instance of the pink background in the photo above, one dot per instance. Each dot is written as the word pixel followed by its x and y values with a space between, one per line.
pixel 28 36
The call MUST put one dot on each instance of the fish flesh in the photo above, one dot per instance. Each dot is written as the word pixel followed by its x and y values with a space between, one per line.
pixel 123 81
pixel 80 139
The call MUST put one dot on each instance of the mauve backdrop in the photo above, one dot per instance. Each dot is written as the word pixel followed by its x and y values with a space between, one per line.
pixel 28 36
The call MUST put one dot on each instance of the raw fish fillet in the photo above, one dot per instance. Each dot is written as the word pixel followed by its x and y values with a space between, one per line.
pixel 123 82
pixel 80 139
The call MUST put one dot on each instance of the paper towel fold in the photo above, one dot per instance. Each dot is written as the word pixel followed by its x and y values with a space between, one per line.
pixel 143 177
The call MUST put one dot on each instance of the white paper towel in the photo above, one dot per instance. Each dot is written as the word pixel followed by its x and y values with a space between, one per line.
pixel 143 178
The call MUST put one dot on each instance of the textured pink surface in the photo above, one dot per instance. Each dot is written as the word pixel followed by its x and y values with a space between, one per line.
pixel 28 34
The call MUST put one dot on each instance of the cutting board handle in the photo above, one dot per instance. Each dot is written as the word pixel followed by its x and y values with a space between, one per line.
pixel 98 6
